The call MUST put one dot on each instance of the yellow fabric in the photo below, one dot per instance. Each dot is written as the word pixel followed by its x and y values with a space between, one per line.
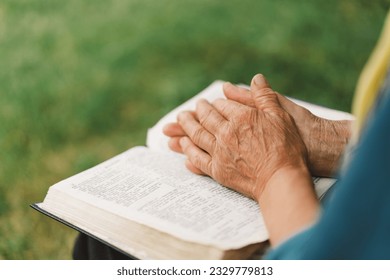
pixel 371 78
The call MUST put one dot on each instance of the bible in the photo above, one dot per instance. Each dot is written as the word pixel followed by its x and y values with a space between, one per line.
pixel 146 204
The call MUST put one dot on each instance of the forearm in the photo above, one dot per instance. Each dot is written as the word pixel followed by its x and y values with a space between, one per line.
pixel 288 203
pixel 326 141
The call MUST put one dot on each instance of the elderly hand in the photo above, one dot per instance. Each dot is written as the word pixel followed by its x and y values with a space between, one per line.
pixel 256 150
pixel 325 139
pixel 240 146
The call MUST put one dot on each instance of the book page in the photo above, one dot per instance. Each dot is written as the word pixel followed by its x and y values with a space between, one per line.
pixel 158 141
pixel 156 189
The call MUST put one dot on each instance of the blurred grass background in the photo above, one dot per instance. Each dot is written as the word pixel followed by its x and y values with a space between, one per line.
pixel 82 80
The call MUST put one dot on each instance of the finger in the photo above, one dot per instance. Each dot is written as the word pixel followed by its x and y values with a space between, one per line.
pixel 173 130
pixel 259 81
pixel 198 134
pixel 291 107
pixel 198 158
pixel 174 144
pixel 209 117
pixel 263 95
pixel 238 94
pixel 192 168
pixel 228 108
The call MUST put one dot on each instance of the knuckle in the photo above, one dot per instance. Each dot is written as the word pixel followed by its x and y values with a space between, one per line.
pixel 265 94
pixel 221 104
pixel 225 134
pixel 197 135
pixel 267 91
pixel 196 160
pixel 204 116
pixel 184 145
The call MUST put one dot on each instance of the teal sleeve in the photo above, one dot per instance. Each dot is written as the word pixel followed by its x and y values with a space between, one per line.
pixel 355 223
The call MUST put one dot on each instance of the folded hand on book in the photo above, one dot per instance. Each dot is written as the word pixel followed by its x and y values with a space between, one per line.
pixel 325 139
pixel 255 150
pixel 227 139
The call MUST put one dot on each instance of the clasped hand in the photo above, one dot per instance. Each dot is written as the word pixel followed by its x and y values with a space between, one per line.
pixel 242 146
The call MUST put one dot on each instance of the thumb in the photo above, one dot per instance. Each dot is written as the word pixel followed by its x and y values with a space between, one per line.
pixel 263 95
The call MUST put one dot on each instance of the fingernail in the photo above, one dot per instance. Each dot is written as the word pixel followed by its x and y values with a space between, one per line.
pixel 258 79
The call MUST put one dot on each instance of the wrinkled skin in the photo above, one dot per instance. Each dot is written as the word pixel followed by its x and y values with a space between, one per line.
pixel 324 139
pixel 258 143
pixel 242 146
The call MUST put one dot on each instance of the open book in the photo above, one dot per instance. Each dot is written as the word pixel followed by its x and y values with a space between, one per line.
pixel 145 203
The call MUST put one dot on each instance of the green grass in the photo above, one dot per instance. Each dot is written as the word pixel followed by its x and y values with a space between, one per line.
pixel 81 81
